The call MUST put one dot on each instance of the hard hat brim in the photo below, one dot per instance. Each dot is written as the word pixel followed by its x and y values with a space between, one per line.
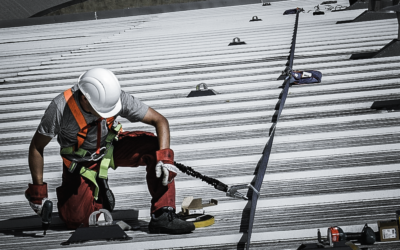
pixel 111 113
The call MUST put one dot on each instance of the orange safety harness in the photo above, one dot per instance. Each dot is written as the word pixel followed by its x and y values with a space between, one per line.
pixel 79 154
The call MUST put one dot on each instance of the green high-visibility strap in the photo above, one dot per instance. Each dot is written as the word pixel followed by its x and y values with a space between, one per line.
pixel 110 137
pixel 106 162
pixel 117 129
pixel 108 159
pixel 91 175
pixel 67 151
pixel 70 150
pixel 81 152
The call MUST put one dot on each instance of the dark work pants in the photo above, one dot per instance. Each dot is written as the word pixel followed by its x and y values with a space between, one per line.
pixel 75 195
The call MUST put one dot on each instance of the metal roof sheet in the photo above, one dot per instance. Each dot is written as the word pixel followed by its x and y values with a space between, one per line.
pixel 334 159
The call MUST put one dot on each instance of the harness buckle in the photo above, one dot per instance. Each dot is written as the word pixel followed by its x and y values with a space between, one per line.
pixel 99 156
pixel 72 166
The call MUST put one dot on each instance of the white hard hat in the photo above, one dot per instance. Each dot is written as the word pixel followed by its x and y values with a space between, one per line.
pixel 101 88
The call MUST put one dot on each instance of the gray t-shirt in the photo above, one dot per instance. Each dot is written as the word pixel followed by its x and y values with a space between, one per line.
pixel 59 121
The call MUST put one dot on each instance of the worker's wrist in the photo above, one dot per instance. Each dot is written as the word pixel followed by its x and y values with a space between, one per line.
pixel 165 155
pixel 37 181
pixel 37 185
pixel 36 192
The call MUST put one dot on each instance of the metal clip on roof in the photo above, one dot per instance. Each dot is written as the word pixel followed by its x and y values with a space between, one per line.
pixel 107 216
pixel 108 230
pixel 233 191
pixel 255 18
pixel 236 41
pixel 285 73
pixel 201 92
pixel 318 11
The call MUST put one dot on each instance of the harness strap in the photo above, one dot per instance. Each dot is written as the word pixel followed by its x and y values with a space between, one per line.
pixel 98 137
pixel 67 163
pixel 71 151
pixel 80 119
pixel 107 160
pixel 110 122
pixel 91 175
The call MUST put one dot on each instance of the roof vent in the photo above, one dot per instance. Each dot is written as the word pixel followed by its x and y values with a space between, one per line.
pixel 236 41
pixel 390 105
pixel 255 18
pixel 201 92
pixel 377 10
pixel 390 49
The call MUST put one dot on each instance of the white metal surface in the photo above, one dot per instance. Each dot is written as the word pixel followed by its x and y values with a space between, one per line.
pixel 334 159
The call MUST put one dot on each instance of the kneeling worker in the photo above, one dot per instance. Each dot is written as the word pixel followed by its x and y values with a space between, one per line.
pixel 84 120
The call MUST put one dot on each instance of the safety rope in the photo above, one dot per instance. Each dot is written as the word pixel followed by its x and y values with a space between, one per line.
pixel 209 180
pixel 263 162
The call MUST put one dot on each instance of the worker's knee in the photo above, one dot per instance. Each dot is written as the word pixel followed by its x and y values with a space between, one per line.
pixel 75 208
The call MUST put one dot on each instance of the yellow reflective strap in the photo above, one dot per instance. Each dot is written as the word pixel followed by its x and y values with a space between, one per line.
pixel 91 176
pixel 105 162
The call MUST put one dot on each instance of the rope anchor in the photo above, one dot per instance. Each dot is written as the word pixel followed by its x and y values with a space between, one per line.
pixel 233 191
pixel 236 41
pixel 255 18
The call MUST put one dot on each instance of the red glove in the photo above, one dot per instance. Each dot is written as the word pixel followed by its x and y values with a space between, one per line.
pixel 165 166
pixel 36 195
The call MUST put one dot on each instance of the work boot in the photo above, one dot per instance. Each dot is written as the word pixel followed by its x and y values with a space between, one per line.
pixel 168 222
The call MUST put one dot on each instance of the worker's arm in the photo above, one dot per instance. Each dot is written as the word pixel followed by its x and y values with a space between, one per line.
pixel 38 143
pixel 165 156
pixel 155 119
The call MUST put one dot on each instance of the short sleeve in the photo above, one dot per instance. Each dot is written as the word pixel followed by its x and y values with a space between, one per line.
pixel 51 120
pixel 132 108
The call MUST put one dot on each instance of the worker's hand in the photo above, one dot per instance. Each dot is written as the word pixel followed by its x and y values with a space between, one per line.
pixel 165 166
pixel 36 195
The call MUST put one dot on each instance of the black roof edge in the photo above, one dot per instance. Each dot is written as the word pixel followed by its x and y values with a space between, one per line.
pixel 126 12
pixel 57 7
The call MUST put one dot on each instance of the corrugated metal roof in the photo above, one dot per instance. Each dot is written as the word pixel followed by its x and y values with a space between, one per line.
pixel 334 160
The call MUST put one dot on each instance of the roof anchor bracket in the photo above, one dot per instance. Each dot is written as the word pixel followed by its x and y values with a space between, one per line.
pixel 236 41
pixel 255 18
pixel 233 191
